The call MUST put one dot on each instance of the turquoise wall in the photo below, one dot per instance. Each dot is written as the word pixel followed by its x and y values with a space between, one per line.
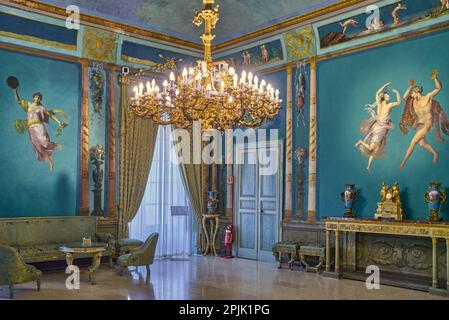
pixel 345 85
pixel 28 188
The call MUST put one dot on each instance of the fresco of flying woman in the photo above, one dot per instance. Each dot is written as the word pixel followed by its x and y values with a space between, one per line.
pixel 376 128
pixel 37 117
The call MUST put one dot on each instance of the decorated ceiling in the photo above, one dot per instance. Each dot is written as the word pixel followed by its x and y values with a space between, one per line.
pixel 174 16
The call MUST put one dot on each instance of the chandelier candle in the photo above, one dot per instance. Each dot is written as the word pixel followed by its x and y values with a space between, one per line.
pixel 212 92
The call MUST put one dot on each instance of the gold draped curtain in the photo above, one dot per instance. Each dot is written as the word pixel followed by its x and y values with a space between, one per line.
pixel 137 141
pixel 195 180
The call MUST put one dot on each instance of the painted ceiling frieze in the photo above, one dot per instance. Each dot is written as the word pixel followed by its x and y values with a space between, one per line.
pixel 380 21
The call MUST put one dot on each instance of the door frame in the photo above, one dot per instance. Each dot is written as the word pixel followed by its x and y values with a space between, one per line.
pixel 245 146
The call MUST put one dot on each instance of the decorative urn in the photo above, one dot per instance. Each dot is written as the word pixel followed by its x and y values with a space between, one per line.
pixel 435 197
pixel 212 202
pixel 349 197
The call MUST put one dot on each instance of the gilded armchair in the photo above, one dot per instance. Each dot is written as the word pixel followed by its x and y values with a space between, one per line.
pixel 141 256
pixel 14 271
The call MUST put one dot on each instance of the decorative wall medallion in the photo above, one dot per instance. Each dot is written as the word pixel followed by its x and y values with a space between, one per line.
pixel 99 45
pixel 300 43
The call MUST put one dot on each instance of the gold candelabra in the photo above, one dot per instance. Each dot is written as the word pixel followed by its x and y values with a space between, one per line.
pixel 210 92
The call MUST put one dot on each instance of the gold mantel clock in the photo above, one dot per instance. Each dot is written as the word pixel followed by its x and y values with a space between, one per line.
pixel 390 206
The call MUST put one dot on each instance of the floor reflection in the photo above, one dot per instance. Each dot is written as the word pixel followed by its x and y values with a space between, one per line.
pixel 209 277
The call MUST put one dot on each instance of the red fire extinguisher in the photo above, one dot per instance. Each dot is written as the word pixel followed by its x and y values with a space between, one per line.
pixel 228 241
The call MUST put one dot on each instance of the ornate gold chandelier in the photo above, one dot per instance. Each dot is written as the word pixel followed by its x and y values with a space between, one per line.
pixel 211 92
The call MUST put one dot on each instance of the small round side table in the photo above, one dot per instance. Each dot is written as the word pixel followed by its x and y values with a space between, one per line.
pixel 214 220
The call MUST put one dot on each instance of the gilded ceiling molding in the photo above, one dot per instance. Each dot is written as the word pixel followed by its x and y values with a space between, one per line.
pixel 49 43
pixel 118 27
pixel 301 19
pixel 380 43
pixel 137 31
pixel 38 52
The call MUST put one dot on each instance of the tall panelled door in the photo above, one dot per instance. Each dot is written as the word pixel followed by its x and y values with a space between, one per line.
pixel 258 200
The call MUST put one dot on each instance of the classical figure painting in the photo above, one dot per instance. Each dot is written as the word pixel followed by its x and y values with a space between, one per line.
pixel 36 123
pixel 376 128
pixel 257 56
pixel 421 113
pixel 389 17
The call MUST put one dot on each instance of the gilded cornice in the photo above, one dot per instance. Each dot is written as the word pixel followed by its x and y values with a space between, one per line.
pixel 109 24
pixel 288 23
pixel 141 32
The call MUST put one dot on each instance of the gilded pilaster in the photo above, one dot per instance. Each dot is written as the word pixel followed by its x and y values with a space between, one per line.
pixel 289 147
pixel 112 199
pixel 312 143
pixel 230 177
pixel 84 194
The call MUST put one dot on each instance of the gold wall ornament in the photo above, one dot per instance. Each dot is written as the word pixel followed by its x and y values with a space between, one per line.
pixel 390 206
pixel 211 92
pixel 99 45
pixel 300 43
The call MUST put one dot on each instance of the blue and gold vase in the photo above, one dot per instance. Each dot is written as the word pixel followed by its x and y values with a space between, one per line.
pixel 435 197
pixel 349 197
pixel 212 202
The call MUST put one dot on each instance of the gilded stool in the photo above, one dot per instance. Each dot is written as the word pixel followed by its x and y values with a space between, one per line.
pixel 312 251
pixel 289 248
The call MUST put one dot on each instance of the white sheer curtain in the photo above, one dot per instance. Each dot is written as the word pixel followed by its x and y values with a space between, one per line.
pixel 163 192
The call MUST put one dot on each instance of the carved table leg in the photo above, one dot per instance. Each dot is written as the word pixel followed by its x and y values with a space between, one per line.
pixel 328 250
pixel 447 263
pixel 435 262
pixel 304 262
pixel 217 222
pixel 206 234
pixel 320 264
pixel 69 259
pixel 337 251
pixel 292 260
pixel 277 256
pixel 96 260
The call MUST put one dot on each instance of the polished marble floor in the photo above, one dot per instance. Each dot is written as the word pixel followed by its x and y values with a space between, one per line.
pixel 209 278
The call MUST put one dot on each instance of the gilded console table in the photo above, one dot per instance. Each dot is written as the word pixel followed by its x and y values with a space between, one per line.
pixel 433 231
pixel 214 220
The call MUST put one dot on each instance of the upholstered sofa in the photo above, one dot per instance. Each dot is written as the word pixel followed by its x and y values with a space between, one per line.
pixel 39 239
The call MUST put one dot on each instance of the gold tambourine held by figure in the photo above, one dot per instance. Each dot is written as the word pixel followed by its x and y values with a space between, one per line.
pixel 12 82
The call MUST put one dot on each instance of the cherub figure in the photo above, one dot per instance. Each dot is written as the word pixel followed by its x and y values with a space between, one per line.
pixel 169 64
pixel 350 22
pixel 383 192
pixel 264 53
pixel 395 193
pixel 444 5
pixel 395 13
